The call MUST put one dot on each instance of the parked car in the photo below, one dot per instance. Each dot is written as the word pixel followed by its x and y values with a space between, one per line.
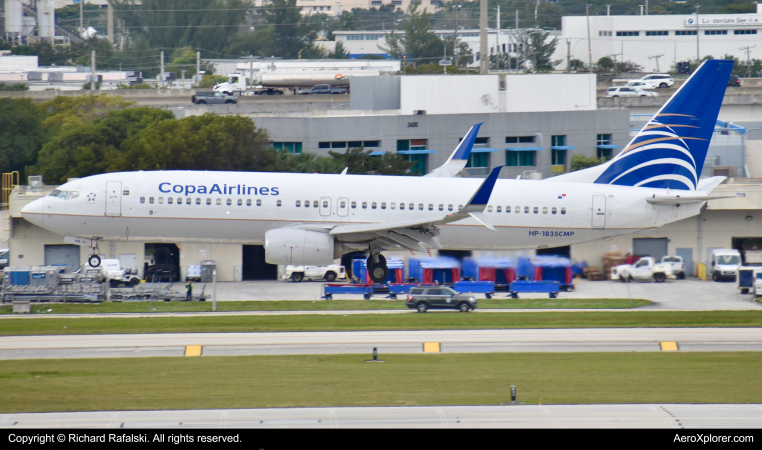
pixel 439 297
pixel 640 84
pixel 676 264
pixel 734 81
pixel 659 80
pixel 202 98
pixel 323 89
pixel 329 273
pixel 626 91
pixel 645 269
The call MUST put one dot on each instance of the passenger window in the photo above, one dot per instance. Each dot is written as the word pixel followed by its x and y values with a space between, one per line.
pixel 188 200
pixel 325 203
pixel 248 202
pixel 460 207
pixel 441 207
pixel 431 207
pixel 240 202
pixel 161 200
pixel 553 210
pixel 489 208
pixel 535 210
pixel 411 206
pixel 298 203
pixel 279 202
pixel 314 203
pixel 150 200
pixel 208 201
pixel 507 209
pixel 402 205
pixel 499 209
pixel 342 204
pixel 518 209
pixel 393 205
pixel 354 205
pixel 373 205
pixel 420 206
pixel 198 201
pixel 219 201
pixel 170 200
pixel 306 203
pixel 563 210
pixel 142 199
pixel 383 205
pixel 544 209
pixel 364 205
pixel 259 202
pixel 449 207
pixel 526 210
pixel 229 202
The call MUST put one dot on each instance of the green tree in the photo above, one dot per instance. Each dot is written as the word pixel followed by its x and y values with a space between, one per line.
pixel 93 147
pixel 580 161
pixel 182 59
pixel 541 51
pixel 13 87
pixel 290 35
pixel 418 41
pixel 67 111
pixel 359 161
pixel 339 52
pixel 21 134
pixel 208 142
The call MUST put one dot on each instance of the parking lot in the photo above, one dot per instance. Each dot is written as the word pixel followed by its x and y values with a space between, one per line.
pixel 690 294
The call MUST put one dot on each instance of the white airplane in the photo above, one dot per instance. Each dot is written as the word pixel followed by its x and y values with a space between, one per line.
pixel 311 219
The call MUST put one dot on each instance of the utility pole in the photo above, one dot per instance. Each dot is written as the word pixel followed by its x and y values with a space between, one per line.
pixel 646 7
pixel 616 72
pixel 198 68
pixel 455 38
pixel 608 10
pixel 483 58
pixel 589 46
pixel 747 49
pixel 536 7
pixel 81 17
pixel 656 57
pixel 93 81
pixel 110 26
pixel 161 73
pixel 698 58
pixel 516 38
pixel 568 55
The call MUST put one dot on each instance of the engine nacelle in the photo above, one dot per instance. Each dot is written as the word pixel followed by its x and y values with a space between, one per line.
pixel 299 247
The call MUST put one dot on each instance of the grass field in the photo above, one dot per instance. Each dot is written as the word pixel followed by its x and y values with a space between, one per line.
pixel 321 305
pixel 355 322
pixel 346 380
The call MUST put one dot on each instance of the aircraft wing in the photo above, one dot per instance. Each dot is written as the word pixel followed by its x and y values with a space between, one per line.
pixel 459 158
pixel 412 234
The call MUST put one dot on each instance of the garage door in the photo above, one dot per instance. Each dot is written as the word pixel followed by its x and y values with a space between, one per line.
pixel 654 247
pixel 62 255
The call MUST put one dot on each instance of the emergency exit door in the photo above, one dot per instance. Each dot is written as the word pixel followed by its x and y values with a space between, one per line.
pixel 599 211
pixel 113 198
pixel 342 208
pixel 325 206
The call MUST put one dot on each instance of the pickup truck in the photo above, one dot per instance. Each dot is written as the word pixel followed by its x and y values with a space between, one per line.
pixel 329 273
pixel 677 265
pixel 212 98
pixel 323 89
pixel 645 269
pixel 111 269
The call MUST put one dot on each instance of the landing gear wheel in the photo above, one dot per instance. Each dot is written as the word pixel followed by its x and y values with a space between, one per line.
pixel 378 272
pixel 464 307
pixel 297 276
pixel 94 260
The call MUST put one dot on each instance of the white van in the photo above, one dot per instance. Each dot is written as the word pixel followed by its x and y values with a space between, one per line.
pixel 723 264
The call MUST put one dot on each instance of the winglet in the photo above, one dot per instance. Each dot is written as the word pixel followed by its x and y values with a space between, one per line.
pixel 459 157
pixel 481 197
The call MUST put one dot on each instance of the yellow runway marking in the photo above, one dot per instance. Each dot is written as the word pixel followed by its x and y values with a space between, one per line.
pixel 668 346
pixel 192 350
pixel 431 347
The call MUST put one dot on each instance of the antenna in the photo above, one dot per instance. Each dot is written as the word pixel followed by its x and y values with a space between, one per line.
pixel 656 57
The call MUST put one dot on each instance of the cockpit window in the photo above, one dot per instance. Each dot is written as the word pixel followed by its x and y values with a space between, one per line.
pixel 64 194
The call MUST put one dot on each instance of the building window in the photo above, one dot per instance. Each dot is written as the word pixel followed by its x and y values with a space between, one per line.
pixel 291 147
pixel 396 2
pixel 744 31
pixel 519 139
pixel 685 33
pixel 478 160
pixel 338 144
pixel 420 161
pixel 628 33
pixel 517 159
pixel 557 156
pixel 375 3
pixel 324 145
pixel 356 37
pixel 715 32
pixel 604 34
pixel 604 139
pixel 657 33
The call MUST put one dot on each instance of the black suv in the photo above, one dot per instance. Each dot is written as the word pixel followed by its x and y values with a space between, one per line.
pixel 423 298
pixel 734 81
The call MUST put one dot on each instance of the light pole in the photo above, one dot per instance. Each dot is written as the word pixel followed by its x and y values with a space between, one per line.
pixel 589 46
pixel 698 57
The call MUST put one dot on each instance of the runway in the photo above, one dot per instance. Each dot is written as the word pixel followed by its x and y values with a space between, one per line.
pixel 386 342
pixel 508 416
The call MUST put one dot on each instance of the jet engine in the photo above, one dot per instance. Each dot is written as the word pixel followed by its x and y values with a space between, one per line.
pixel 299 247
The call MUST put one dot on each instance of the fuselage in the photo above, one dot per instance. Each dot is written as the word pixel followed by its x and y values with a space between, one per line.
pixel 239 207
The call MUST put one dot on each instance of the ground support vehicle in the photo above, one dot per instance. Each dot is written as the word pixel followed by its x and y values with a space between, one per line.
pixel 475 287
pixel 329 290
pixel 423 298
pixel 645 269
pixel 723 264
pixel 112 270
pixel 758 282
pixel 329 273
pixel 552 288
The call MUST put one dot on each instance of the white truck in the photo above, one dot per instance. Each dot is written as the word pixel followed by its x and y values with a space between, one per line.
pixel 677 264
pixel 723 264
pixel 329 273
pixel 645 269
pixel 112 270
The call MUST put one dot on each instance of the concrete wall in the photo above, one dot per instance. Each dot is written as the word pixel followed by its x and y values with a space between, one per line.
pixel 374 93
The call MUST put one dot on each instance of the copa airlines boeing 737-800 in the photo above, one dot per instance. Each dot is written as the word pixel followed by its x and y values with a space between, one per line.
pixel 314 218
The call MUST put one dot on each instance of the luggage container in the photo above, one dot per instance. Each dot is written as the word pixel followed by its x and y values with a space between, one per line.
pixel 553 268
pixel 207 271
pixel 501 271
pixel 475 287
pixel 442 270
pixel 16 276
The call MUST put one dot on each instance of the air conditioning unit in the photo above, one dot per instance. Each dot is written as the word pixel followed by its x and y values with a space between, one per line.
pixel 35 181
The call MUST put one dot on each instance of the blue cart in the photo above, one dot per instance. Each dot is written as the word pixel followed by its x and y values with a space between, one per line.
pixel 550 287
pixel 476 287
pixel 366 290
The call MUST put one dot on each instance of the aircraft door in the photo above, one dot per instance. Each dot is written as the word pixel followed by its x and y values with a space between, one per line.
pixel 113 198
pixel 325 206
pixel 343 207
pixel 599 211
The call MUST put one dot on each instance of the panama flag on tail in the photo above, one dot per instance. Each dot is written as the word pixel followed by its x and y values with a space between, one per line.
pixel 669 151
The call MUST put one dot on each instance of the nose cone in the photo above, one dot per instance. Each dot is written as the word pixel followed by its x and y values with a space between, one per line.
pixel 33 212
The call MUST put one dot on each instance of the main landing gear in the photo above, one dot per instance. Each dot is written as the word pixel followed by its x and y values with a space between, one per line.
pixel 377 269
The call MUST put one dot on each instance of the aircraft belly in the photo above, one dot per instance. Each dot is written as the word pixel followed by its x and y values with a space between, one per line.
pixel 514 238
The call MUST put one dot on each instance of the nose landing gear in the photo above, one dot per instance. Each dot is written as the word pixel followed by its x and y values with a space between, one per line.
pixel 94 260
